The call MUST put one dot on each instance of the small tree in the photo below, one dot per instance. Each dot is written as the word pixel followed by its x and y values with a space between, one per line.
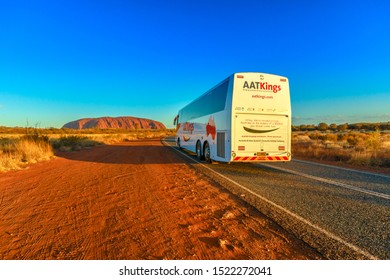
pixel 311 127
pixel 333 126
pixel 295 128
pixel 323 126
pixel 374 142
pixel 303 127
pixel 342 127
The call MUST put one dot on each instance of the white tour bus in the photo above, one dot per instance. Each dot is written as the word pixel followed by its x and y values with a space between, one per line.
pixel 245 118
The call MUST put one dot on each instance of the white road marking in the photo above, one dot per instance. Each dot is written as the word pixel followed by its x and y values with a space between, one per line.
pixel 296 216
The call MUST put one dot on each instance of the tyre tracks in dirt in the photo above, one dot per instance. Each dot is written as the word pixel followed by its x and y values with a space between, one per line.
pixel 132 200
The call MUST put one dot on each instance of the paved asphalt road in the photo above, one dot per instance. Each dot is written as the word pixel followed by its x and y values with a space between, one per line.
pixel 344 214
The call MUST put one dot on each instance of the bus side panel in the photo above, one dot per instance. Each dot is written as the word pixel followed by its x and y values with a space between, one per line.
pixel 207 128
pixel 188 134
pixel 222 145
pixel 220 141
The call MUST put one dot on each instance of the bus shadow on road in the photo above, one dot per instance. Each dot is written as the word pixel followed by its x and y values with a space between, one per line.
pixel 131 152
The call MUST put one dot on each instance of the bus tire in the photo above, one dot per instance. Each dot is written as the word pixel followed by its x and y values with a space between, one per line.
pixel 199 154
pixel 207 152
pixel 178 144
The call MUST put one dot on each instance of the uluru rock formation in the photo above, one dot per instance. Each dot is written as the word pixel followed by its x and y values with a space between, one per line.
pixel 118 122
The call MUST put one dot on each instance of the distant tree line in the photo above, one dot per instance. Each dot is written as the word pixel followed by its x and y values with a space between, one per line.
pixel 343 127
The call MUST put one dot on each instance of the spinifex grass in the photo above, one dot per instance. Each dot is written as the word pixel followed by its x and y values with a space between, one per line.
pixel 15 153
pixel 356 148
pixel 21 146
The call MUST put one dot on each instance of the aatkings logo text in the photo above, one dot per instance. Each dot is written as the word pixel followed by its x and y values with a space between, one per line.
pixel 261 86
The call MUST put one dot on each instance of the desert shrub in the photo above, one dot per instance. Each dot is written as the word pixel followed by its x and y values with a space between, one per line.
pixel 342 137
pixel 369 158
pixel 333 126
pixel 342 127
pixel 31 151
pixel 373 141
pixel 330 137
pixel 356 139
pixel 16 153
pixel 73 143
pixel 316 150
pixel 323 136
pixel 36 138
pixel 323 126
pixel 356 148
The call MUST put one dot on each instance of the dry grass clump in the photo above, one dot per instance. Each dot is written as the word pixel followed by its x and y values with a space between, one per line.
pixel 73 143
pixel 18 152
pixel 357 148
pixel 21 146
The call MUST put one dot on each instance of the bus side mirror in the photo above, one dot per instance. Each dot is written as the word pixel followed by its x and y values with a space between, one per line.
pixel 175 120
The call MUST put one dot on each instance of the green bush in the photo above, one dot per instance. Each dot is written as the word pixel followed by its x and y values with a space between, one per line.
pixel 73 143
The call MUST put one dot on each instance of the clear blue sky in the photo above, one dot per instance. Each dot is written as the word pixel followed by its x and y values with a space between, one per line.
pixel 65 60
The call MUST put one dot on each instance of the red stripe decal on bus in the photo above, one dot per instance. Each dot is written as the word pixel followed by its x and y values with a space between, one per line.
pixel 260 158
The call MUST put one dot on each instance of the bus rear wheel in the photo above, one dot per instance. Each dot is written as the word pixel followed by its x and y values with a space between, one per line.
pixel 178 144
pixel 206 152
pixel 199 151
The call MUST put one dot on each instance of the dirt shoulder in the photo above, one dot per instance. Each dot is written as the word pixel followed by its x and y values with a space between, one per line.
pixel 372 169
pixel 134 200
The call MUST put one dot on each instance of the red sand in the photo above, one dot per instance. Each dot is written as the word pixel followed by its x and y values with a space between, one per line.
pixel 135 200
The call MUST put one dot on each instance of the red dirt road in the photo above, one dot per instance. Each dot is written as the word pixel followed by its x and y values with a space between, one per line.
pixel 134 200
